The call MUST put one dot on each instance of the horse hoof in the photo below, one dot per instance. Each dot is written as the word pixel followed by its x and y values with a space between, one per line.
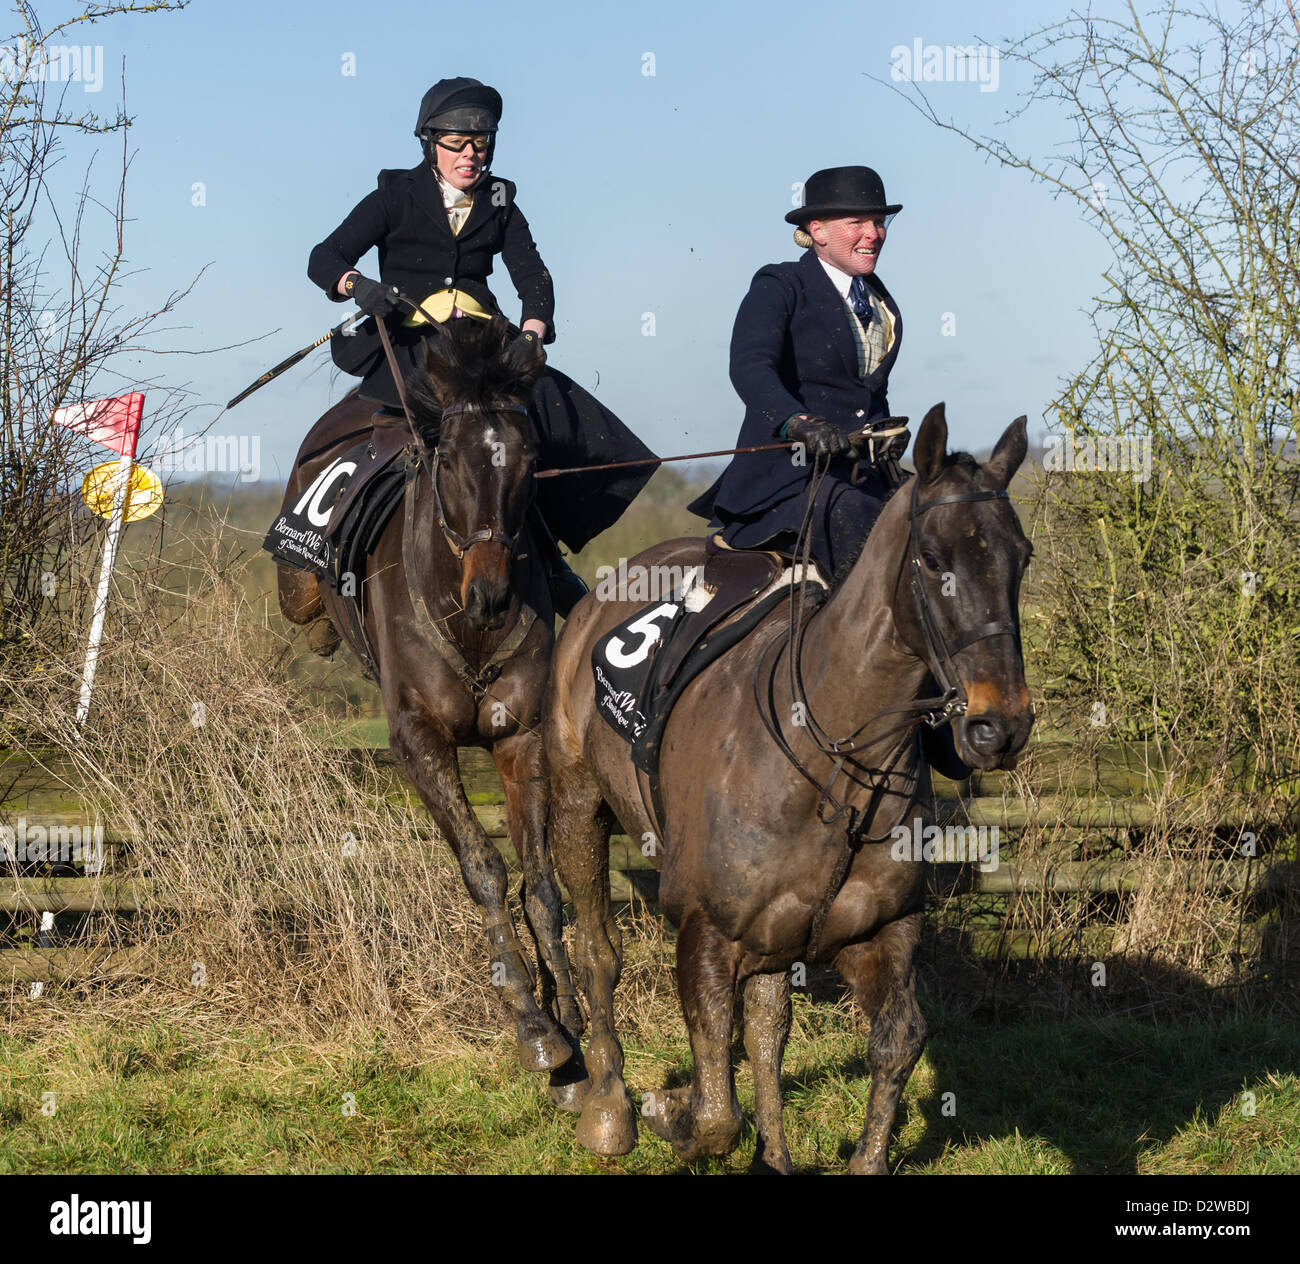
pixel 779 1165
pixel 569 1087
pixel 608 1125
pixel 867 1167
pixel 569 1097
pixel 545 1051
pixel 669 1118
pixel 323 637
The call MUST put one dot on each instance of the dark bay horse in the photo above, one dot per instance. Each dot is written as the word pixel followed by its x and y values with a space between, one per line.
pixel 769 859
pixel 461 623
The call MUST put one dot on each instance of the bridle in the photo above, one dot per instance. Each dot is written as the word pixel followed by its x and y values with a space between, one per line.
pixel 936 711
pixel 461 544
pixel 476 679
pixel 939 653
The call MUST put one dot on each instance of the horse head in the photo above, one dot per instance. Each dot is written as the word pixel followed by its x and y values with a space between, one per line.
pixel 956 601
pixel 474 396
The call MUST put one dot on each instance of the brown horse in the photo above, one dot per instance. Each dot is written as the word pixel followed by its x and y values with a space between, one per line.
pixel 460 621
pixel 773 857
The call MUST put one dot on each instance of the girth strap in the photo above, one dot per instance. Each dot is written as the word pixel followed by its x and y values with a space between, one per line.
pixel 476 681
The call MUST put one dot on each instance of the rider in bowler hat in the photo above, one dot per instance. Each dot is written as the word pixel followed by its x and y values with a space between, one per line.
pixel 811 352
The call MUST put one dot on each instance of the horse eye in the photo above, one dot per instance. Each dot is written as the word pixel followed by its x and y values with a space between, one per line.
pixel 931 562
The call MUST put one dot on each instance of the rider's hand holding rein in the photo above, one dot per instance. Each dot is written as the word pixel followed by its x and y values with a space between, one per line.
pixel 372 297
pixel 817 435
pixel 380 300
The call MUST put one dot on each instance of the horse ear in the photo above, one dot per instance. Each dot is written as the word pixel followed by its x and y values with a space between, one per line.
pixel 931 445
pixel 1009 453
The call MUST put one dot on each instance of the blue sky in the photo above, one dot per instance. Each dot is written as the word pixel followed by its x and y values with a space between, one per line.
pixel 647 193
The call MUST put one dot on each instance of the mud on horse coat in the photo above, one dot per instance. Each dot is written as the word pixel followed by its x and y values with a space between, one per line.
pixel 456 566
pixel 758 869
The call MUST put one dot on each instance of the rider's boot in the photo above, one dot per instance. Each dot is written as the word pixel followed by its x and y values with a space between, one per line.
pixel 567 587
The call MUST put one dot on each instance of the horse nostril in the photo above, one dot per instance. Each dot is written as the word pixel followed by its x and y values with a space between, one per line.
pixel 986 735
pixel 475 605
pixel 486 604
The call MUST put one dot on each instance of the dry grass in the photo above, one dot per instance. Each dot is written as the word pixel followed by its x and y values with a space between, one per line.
pixel 284 883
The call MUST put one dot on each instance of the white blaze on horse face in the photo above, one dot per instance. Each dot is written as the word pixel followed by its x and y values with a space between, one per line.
pixel 490 438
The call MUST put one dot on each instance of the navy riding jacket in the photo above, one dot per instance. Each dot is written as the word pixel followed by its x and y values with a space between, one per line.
pixel 792 351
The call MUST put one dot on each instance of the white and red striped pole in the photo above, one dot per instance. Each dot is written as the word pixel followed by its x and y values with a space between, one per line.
pixel 116 424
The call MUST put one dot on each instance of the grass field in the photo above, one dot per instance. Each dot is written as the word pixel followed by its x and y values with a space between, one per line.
pixel 1084 1096
pixel 365 1041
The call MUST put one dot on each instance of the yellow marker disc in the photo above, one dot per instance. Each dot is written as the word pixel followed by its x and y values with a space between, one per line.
pixel 144 495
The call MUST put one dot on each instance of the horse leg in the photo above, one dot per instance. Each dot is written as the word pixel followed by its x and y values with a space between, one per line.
pixel 704 1116
pixel 300 602
pixel 579 837
pixel 430 762
pixel 767 1028
pixel 521 761
pixel 882 974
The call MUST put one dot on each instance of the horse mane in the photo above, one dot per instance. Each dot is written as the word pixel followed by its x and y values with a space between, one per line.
pixel 467 362
pixel 961 460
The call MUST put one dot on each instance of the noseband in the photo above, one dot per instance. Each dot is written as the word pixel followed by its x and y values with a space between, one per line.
pixel 935 711
pixel 461 544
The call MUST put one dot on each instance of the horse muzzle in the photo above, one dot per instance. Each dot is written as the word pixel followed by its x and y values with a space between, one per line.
pixel 485 586
pixel 989 739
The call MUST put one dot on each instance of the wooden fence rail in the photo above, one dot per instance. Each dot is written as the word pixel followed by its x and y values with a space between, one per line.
pixel 1089 808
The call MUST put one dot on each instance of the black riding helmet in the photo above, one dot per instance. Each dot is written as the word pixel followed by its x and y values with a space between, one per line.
pixel 459 105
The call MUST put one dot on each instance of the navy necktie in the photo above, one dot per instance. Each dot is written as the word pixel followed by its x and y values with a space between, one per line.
pixel 858 299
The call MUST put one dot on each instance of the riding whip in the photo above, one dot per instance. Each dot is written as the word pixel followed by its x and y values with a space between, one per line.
pixel 886 428
pixel 293 359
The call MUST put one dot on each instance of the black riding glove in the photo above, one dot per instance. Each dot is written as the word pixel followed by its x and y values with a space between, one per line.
pixel 533 343
pixel 817 435
pixel 373 297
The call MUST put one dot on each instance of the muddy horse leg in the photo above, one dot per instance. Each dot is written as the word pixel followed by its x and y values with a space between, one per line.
pixel 579 839
pixel 882 974
pixel 430 762
pixel 521 761
pixel 300 602
pixel 703 1117
pixel 767 1028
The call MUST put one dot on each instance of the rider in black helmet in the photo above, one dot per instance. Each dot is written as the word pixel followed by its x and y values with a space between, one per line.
pixel 438 228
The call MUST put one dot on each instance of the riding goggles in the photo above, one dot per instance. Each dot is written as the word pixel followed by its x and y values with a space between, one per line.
pixel 456 141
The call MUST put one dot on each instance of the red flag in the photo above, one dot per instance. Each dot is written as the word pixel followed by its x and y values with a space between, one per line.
pixel 113 422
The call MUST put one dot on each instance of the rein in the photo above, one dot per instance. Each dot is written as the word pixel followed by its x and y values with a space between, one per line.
pixel 935 711
pixel 475 680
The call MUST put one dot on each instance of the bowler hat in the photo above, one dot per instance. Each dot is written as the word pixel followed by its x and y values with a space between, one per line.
pixel 842 191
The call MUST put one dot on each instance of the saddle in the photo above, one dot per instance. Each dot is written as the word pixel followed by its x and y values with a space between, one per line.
pixel 359 507
pixel 717 609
